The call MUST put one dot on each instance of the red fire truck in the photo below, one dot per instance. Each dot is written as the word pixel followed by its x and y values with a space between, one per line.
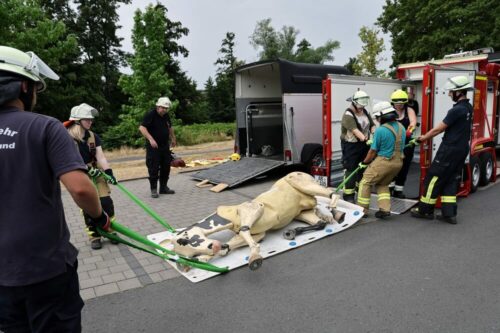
pixel 427 80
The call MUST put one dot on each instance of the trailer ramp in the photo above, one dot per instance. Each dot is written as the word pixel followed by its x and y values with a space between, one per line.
pixel 234 173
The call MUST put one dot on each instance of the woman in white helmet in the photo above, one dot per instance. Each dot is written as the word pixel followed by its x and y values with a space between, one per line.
pixel 89 145
pixel 357 127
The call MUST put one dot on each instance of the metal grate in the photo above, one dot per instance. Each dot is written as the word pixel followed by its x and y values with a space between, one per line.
pixel 398 206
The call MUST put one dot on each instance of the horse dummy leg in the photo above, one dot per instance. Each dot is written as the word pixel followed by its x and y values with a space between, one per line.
pixel 310 217
pixel 249 213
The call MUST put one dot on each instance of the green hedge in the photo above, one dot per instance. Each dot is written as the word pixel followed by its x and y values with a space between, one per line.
pixel 189 135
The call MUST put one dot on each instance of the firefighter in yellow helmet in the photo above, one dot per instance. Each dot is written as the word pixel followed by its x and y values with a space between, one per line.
pixel 408 118
pixel 383 161
pixel 89 145
pixel 357 127
pixel 444 173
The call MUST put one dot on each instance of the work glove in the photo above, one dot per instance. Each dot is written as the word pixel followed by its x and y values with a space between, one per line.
pixel 414 142
pixel 408 134
pixel 94 172
pixel 363 165
pixel 102 221
pixel 369 142
pixel 111 179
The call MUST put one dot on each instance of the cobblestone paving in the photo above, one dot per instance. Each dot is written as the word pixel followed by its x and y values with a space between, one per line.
pixel 116 268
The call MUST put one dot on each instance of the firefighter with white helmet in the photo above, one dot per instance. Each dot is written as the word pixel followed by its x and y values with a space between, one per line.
pixel 383 161
pixel 39 287
pixel 357 127
pixel 408 118
pixel 89 145
pixel 157 128
pixel 444 173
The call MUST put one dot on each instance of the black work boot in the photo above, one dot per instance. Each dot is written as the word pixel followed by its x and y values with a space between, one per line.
pixel 398 194
pixel 382 214
pixel 447 219
pixel 166 190
pixel 349 198
pixel 416 213
pixel 154 193
pixel 95 243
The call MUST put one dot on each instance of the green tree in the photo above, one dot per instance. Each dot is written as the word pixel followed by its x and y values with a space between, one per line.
pixel 351 65
pixel 422 30
pixel 224 110
pixel 148 80
pixel 28 27
pixel 282 44
pixel 367 61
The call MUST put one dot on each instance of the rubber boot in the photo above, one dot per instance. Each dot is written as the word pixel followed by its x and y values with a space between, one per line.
pixel 95 243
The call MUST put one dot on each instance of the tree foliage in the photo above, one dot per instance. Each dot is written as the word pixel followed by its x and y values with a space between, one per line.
pixel 282 44
pixel 148 80
pixel 367 61
pixel 422 30
pixel 27 27
pixel 220 94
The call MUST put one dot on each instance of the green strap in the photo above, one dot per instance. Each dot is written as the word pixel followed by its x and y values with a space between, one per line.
pixel 342 185
pixel 165 253
pixel 141 204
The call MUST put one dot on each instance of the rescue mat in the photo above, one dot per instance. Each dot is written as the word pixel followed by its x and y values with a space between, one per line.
pixel 398 206
pixel 272 244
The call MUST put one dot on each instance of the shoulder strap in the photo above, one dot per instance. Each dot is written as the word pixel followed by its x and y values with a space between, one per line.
pixel 355 119
pixel 397 136
pixel 92 147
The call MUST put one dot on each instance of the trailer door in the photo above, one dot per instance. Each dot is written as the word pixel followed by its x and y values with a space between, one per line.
pixel 343 87
pixel 302 123
pixel 441 102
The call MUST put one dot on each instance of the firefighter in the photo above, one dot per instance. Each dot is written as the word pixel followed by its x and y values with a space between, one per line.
pixel 357 126
pixel 444 173
pixel 408 118
pixel 89 146
pixel 383 161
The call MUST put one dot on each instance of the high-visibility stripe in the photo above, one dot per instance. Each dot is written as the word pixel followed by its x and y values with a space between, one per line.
pixel 428 201
pixel 482 78
pixel 348 191
pixel 448 199
pixel 363 201
pixel 384 196
pixel 427 197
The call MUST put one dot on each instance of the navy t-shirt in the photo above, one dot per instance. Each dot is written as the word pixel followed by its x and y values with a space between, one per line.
pixel 158 126
pixel 35 150
pixel 458 121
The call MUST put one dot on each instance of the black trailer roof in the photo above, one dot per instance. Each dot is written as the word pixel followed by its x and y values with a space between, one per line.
pixel 299 77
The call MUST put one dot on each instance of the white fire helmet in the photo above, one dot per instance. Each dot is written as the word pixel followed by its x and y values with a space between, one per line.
pixel 361 98
pixel 83 111
pixel 164 102
pixel 26 64
pixel 457 83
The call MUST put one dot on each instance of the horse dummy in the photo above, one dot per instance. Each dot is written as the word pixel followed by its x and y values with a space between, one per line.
pixel 290 198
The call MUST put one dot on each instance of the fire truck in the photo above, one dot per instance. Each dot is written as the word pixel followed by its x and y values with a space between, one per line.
pixel 426 79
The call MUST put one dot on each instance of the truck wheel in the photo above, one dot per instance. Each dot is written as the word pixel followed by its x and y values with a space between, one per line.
pixel 486 168
pixel 475 170
pixel 316 160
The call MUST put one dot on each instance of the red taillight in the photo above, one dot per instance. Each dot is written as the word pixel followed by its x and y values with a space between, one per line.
pixel 288 155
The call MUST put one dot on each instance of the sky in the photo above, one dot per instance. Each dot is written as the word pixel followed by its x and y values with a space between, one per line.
pixel 209 20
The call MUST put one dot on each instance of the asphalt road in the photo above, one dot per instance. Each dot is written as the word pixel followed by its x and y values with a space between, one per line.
pixel 399 275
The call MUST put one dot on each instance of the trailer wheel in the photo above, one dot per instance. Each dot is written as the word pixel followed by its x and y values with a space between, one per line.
pixel 312 155
pixel 486 169
pixel 475 170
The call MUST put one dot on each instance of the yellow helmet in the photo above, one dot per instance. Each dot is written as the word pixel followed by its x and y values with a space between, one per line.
pixel 235 157
pixel 399 96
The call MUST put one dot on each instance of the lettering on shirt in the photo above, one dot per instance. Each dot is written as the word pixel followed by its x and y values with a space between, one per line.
pixel 9 133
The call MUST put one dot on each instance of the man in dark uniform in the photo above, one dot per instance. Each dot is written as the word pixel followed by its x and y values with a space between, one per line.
pixel 157 128
pixel 39 290
pixel 443 176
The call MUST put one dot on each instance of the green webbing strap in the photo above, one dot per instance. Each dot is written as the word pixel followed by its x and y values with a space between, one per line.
pixel 150 246
pixel 141 204
pixel 342 185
